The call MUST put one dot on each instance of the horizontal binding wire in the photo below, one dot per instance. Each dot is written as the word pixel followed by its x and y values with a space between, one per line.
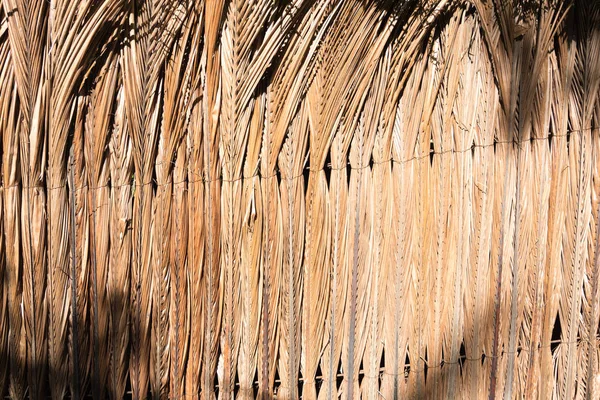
pixel 407 368
pixel 306 169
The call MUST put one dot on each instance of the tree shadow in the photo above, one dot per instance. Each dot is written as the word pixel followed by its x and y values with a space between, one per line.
pixel 430 375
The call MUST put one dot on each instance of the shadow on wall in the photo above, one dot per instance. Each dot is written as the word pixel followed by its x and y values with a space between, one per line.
pixel 469 374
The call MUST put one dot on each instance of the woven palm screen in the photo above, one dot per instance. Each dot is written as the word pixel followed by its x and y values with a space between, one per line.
pixel 284 199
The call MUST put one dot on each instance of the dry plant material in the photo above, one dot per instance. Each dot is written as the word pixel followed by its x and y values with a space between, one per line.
pixel 81 328
pixel 3 307
pixel 302 199
pixel 27 38
pixel 118 290
pixel 12 293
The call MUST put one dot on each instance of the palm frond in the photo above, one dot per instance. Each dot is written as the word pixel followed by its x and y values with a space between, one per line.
pixel 285 199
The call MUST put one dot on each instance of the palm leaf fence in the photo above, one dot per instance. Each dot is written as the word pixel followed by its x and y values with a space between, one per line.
pixel 300 198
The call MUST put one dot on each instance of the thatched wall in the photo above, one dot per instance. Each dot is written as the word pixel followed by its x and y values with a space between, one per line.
pixel 363 198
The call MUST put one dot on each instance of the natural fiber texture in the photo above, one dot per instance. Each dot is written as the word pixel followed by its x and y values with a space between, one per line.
pixel 119 279
pixel 300 199
pixel 12 292
pixel 3 313
pixel 81 333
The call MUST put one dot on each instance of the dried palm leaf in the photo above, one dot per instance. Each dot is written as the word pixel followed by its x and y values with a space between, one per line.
pixel 140 63
pixel 375 121
pixel 80 346
pixel 188 293
pixel 423 230
pixel 563 65
pixel 477 280
pixel 464 82
pixel 196 254
pixel 211 105
pixel 27 37
pixel 13 271
pixel 578 217
pixel 317 244
pixel 292 209
pixel 404 135
pixel 179 323
pixel 539 232
pixel 589 12
pixel 272 262
pixel 70 57
pixel 498 24
pixel 4 363
pixel 119 273
pixel 446 273
pixel 251 255
pixel 96 140
pixel 164 266
pixel 251 37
